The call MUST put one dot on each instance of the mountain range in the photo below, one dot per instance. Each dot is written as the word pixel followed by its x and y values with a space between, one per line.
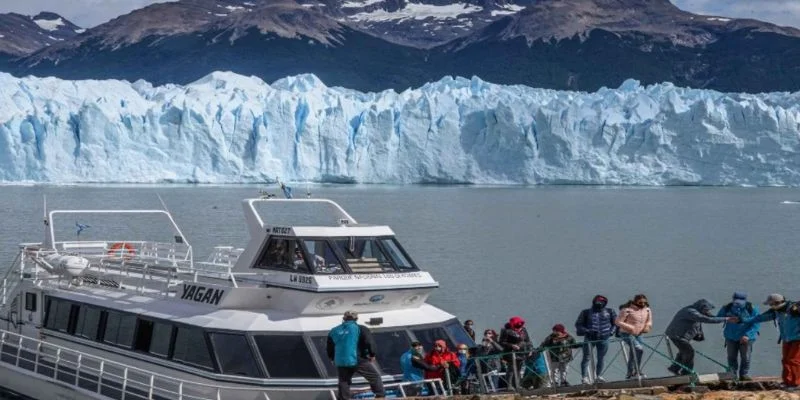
pixel 372 45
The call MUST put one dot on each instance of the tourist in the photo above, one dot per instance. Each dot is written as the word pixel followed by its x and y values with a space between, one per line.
pixel 413 365
pixel 468 328
pixel 596 325
pixel 487 350
pixel 634 320
pixel 787 313
pixel 687 325
pixel 515 340
pixel 740 337
pixel 559 345
pixel 444 364
pixel 352 349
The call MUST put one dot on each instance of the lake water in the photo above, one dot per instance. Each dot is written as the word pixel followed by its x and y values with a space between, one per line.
pixel 539 252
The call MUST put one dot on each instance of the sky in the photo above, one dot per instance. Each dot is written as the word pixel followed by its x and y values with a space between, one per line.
pixel 88 13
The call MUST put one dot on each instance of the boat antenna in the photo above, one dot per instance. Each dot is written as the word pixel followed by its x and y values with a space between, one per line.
pixel 308 191
pixel 47 242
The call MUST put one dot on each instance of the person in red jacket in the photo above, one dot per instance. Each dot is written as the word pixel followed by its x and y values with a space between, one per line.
pixel 441 359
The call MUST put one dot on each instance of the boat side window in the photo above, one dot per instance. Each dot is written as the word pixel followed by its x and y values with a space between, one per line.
pixel 321 257
pixel 392 345
pixel 161 340
pixel 276 350
pixel 427 336
pixel 397 254
pixel 234 355
pixel 283 254
pixel 30 301
pixel 321 344
pixel 88 322
pixel 364 255
pixel 119 329
pixel 61 315
pixel 191 348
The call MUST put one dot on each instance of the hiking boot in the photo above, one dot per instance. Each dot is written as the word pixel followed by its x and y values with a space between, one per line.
pixel 674 369
pixel 745 378
pixel 564 384
pixel 600 379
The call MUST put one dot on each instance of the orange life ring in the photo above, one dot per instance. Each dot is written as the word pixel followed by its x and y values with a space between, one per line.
pixel 121 249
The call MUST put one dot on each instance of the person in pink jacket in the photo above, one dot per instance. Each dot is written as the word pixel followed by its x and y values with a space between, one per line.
pixel 634 320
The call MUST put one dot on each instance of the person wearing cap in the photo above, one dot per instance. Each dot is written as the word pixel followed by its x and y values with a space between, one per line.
pixel 352 349
pixel 559 345
pixel 687 325
pixel 740 337
pixel 787 313
pixel 596 325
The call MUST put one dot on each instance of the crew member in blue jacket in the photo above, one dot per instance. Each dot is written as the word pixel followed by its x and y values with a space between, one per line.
pixel 352 349
pixel 787 313
pixel 740 337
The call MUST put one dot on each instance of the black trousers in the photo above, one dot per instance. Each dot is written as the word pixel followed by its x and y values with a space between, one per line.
pixel 367 370
pixel 685 356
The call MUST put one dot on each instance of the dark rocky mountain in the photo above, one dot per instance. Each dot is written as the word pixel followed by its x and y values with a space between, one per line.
pixel 380 44
pixel 21 35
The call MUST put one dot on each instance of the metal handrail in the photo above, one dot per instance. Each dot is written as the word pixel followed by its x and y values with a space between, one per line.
pixel 74 365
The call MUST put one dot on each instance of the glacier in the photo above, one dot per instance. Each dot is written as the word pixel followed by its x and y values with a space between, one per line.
pixel 228 128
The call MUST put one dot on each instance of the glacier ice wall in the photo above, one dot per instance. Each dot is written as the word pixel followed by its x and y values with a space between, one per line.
pixel 231 128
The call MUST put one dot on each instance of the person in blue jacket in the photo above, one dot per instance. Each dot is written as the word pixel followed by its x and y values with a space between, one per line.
pixel 413 365
pixel 787 313
pixel 352 349
pixel 740 337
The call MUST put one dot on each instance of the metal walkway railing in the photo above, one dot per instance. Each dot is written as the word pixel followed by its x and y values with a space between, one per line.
pixel 628 363
pixel 96 377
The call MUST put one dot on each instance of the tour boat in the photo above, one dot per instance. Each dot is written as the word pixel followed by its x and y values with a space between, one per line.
pixel 120 309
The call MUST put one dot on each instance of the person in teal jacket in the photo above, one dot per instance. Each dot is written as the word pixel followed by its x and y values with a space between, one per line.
pixel 787 313
pixel 352 349
pixel 739 337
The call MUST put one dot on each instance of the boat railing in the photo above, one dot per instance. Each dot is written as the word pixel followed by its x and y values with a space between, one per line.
pixel 94 375
pixel 176 254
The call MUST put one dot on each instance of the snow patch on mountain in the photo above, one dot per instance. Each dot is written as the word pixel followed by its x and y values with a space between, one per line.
pixel 418 11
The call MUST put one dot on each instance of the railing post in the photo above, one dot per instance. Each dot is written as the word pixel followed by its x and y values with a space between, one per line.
pixel 219 394
pixel 592 370
pixel 124 382
pixel 449 388
pixel 78 368
pixel 635 356
pixel 150 389
pixel 479 371
pixel 514 382
pixel 100 376
pixel 4 290
pixel 180 390
pixel 402 391
pixel 549 368
pixel 19 351
pixel 58 360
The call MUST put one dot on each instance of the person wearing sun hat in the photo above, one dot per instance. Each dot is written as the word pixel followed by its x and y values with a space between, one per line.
pixel 787 313
pixel 739 337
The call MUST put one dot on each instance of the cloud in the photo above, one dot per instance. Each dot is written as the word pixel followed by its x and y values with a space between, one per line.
pixel 780 12
pixel 85 13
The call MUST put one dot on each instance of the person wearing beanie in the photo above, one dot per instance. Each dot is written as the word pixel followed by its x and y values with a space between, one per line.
pixel 596 325
pixel 515 339
pixel 787 313
pixel 739 337
pixel 352 349
pixel 559 345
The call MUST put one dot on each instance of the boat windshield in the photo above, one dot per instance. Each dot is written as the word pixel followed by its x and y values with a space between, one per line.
pixel 373 254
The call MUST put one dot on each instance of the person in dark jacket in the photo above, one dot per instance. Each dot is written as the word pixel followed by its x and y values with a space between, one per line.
pixel 352 349
pixel 515 339
pixel 487 348
pixel 596 325
pixel 739 337
pixel 468 324
pixel 559 345
pixel 687 325
pixel 787 313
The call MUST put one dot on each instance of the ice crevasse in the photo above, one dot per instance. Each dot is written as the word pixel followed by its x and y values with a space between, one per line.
pixel 228 128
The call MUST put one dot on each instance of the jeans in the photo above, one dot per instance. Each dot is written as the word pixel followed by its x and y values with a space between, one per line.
pixel 736 352
pixel 601 348
pixel 635 353
pixel 364 368
pixel 685 356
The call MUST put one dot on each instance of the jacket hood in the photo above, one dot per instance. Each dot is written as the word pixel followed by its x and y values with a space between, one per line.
pixel 516 322
pixel 703 305
pixel 442 343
